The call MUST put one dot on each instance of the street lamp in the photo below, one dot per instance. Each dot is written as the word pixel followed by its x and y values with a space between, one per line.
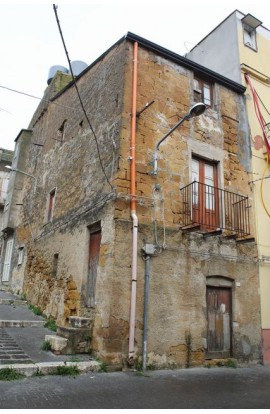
pixel 195 110
pixel 22 172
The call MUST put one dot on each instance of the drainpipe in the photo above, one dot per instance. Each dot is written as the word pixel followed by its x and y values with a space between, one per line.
pixel 145 316
pixel 133 210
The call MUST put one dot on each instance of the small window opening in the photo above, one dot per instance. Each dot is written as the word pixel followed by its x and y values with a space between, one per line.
pixel 202 91
pixel 20 256
pixel 55 265
pixel 61 132
pixel 51 205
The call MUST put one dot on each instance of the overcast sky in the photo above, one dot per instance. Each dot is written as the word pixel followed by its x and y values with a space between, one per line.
pixel 30 42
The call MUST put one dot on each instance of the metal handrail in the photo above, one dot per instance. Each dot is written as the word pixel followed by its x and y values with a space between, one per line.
pixel 211 208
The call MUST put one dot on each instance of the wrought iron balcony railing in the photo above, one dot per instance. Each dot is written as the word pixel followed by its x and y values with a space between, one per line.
pixel 209 209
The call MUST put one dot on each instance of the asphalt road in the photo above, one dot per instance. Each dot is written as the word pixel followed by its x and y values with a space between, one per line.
pixel 195 388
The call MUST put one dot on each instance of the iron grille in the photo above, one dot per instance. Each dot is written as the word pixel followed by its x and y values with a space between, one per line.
pixel 208 209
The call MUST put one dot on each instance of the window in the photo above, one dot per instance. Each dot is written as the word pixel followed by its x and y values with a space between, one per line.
pixel 20 256
pixel 51 203
pixel 61 132
pixel 202 91
pixel 205 203
pixel 250 24
pixel 55 265
pixel 250 37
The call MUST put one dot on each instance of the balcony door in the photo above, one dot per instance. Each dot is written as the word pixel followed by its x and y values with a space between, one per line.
pixel 205 194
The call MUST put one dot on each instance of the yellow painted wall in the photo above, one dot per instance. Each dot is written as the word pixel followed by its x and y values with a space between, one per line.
pixel 257 64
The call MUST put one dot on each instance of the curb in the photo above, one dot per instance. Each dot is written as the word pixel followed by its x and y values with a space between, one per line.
pixel 15 302
pixel 50 368
pixel 21 324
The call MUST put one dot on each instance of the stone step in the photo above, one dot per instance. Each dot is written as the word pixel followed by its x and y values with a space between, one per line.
pixel 58 343
pixel 15 359
pixel 80 322
pixel 10 352
pixel 20 324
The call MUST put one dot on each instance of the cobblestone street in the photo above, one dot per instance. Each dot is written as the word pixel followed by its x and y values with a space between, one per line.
pixel 196 388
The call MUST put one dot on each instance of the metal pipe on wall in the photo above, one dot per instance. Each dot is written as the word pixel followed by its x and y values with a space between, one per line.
pixel 133 209
pixel 145 315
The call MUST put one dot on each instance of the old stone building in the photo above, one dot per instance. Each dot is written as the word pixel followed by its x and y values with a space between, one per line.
pixel 247 63
pixel 143 227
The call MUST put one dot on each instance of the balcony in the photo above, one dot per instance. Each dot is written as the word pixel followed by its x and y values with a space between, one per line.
pixel 211 210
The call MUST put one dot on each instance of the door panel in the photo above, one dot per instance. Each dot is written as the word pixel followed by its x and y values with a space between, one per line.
pixel 219 319
pixel 94 249
pixel 205 204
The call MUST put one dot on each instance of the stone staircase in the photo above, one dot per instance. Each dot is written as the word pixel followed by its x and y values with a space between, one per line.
pixel 72 339
pixel 22 336
pixel 10 352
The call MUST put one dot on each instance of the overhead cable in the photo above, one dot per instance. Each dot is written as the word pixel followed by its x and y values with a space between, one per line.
pixel 79 96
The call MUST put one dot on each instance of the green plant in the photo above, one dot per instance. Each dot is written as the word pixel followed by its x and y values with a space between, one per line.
pixel 67 370
pixel 188 338
pixel 23 296
pixel 231 363
pixel 151 367
pixel 35 309
pixel 138 365
pixel 46 346
pixel 103 367
pixel 10 374
pixel 51 324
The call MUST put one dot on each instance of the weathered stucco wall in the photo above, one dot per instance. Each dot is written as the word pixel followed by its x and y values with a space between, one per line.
pixel 67 160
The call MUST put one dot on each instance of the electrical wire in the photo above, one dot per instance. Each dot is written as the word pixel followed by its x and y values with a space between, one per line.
pixel 262 124
pixel 79 96
pixel 261 187
pixel 36 97
pixel 258 113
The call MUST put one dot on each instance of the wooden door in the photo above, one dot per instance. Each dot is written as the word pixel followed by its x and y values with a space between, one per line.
pixel 94 249
pixel 219 321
